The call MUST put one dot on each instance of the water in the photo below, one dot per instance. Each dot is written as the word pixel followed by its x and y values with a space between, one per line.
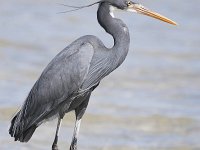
pixel 152 102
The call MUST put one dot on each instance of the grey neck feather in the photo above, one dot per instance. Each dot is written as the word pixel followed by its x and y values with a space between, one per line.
pixel 117 29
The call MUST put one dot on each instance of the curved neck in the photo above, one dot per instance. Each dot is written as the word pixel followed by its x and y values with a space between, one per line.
pixel 117 29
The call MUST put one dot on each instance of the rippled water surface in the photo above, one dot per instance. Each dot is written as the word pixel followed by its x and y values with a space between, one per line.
pixel 152 102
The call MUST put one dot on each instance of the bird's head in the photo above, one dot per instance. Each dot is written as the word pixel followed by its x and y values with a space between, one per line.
pixel 128 5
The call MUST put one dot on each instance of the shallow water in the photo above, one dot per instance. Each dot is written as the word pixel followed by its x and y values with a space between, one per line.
pixel 152 102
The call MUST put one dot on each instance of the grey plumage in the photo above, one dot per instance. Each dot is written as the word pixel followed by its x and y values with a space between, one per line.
pixel 67 82
pixel 71 76
pixel 60 84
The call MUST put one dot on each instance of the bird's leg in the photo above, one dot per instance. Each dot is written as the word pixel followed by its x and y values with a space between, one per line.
pixel 54 145
pixel 80 110
pixel 75 135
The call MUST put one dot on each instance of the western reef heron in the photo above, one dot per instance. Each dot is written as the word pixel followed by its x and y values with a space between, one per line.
pixel 69 79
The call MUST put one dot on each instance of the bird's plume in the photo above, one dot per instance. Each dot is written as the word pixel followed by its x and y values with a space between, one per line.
pixel 75 8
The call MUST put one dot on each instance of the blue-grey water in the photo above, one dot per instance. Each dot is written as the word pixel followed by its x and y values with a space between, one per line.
pixel 152 102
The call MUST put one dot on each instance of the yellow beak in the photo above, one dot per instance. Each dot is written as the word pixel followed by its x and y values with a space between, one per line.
pixel 142 10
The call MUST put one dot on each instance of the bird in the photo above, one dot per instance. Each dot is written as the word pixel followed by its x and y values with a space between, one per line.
pixel 69 79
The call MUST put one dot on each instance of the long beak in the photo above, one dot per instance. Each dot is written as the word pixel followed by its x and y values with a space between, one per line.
pixel 142 10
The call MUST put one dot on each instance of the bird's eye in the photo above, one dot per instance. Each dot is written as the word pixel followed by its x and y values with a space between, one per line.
pixel 128 3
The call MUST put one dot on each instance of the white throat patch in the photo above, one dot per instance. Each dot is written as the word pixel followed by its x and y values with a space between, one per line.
pixel 112 9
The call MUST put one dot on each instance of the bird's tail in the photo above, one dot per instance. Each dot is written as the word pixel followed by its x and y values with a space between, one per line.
pixel 18 132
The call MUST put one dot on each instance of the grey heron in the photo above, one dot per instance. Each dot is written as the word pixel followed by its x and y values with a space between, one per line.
pixel 69 79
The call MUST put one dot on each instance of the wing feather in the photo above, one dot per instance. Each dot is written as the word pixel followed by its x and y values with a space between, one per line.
pixel 99 68
pixel 61 78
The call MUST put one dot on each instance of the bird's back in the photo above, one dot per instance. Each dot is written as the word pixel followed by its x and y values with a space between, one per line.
pixel 75 71
pixel 55 89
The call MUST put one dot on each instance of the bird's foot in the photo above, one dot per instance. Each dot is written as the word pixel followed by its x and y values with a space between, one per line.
pixel 54 147
pixel 73 144
pixel 73 147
